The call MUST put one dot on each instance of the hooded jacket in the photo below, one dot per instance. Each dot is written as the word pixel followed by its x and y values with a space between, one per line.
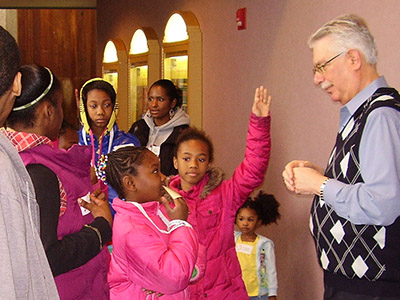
pixel 25 273
pixel 146 256
pixel 213 203
pixel 161 139
pixel 111 137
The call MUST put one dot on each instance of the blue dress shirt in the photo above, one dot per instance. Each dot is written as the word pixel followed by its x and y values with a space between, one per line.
pixel 377 200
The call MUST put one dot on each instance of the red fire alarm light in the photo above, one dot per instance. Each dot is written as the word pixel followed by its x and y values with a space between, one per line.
pixel 241 18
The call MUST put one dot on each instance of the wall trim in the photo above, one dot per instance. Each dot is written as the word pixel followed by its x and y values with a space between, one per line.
pixel 48 4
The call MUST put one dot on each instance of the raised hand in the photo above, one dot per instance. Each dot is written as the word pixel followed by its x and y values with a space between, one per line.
pixel 262 102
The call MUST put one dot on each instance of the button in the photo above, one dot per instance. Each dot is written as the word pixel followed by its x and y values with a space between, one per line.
pixel 210 212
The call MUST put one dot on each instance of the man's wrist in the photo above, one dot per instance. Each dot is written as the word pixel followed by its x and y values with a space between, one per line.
pixel 322 188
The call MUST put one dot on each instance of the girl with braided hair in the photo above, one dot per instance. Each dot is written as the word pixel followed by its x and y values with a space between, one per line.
pixel 154 248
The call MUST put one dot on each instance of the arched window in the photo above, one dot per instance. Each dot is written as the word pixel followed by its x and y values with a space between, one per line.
pixel 182 61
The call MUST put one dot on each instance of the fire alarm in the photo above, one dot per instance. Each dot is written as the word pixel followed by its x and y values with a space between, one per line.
pixel 241 18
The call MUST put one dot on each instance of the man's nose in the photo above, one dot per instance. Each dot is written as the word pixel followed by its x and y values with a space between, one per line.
pixel 318 78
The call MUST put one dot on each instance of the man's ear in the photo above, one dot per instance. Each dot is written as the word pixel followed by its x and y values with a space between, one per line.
pixel 355 58
pixel 128 182
pixel 16 86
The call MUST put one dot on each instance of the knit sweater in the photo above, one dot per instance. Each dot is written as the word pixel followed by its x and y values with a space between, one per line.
pixel 356 258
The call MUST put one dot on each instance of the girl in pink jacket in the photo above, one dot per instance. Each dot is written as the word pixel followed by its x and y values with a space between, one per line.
pixel 213 202
pixel 151 252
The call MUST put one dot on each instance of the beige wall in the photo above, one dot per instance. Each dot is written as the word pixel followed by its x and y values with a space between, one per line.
pixel 271 51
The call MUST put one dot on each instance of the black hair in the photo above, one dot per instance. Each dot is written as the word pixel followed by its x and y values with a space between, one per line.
pixel 10 60
pixel 121 162
pixel 265 206
pixel 192 133
pixel 35 80
pixel 172 91
pixel 65 125
pixel 101 85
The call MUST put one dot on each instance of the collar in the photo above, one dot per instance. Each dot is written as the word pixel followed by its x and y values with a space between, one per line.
pixel 350 108
pixel 24 141
pixel 212 179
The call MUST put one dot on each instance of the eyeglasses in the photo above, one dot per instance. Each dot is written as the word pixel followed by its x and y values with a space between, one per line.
pixel 321 68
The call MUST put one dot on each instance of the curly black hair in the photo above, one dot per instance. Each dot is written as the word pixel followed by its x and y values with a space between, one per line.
pixel 265 206
pixel 192 133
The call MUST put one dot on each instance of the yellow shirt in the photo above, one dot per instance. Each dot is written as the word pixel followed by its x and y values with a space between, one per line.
pixel 246 253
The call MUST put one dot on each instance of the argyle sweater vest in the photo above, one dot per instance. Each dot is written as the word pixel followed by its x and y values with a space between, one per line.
pixel 367 253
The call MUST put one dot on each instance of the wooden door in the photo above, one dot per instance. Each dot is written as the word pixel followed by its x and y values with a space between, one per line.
pixel 63 40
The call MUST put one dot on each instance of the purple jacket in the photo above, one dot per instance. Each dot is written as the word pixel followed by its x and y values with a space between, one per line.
pixel 72 168
pixel 145 257
pixel 213 203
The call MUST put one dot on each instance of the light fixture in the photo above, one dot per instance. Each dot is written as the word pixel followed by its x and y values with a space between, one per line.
pixel 139 43
pixel 176 30
pixel 110 53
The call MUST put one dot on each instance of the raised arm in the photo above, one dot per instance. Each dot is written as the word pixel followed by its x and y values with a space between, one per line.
pixel 250 173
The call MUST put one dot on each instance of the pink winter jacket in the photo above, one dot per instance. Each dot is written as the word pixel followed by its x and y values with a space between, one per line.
pixel 145 257
pixel 213 204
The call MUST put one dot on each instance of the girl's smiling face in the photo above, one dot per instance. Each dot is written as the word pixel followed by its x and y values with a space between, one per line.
pixel 192 162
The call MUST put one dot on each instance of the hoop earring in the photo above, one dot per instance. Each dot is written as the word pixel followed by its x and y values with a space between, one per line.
pixel 171 113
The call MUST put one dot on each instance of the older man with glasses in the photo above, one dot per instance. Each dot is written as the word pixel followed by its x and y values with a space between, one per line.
pixel 356 208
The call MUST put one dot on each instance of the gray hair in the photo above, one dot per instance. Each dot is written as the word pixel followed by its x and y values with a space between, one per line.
pixel 347 32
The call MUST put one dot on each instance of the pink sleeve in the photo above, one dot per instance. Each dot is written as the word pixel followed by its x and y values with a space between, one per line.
pixel 160 266
pixel 251 171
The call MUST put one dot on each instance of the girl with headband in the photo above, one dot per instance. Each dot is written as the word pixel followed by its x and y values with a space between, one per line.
pixel 98 108
pixel 73 239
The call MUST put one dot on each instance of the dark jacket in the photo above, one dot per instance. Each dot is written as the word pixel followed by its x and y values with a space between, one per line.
pixel 141 130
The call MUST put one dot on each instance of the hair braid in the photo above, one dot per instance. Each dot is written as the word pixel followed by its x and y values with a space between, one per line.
pixel 121 162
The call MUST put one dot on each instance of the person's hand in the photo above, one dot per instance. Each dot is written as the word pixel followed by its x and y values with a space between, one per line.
pixel 99 194
pixel 307 181
pixel 288 174
pixel 179 212
pixel 98 206
pixel 262 102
